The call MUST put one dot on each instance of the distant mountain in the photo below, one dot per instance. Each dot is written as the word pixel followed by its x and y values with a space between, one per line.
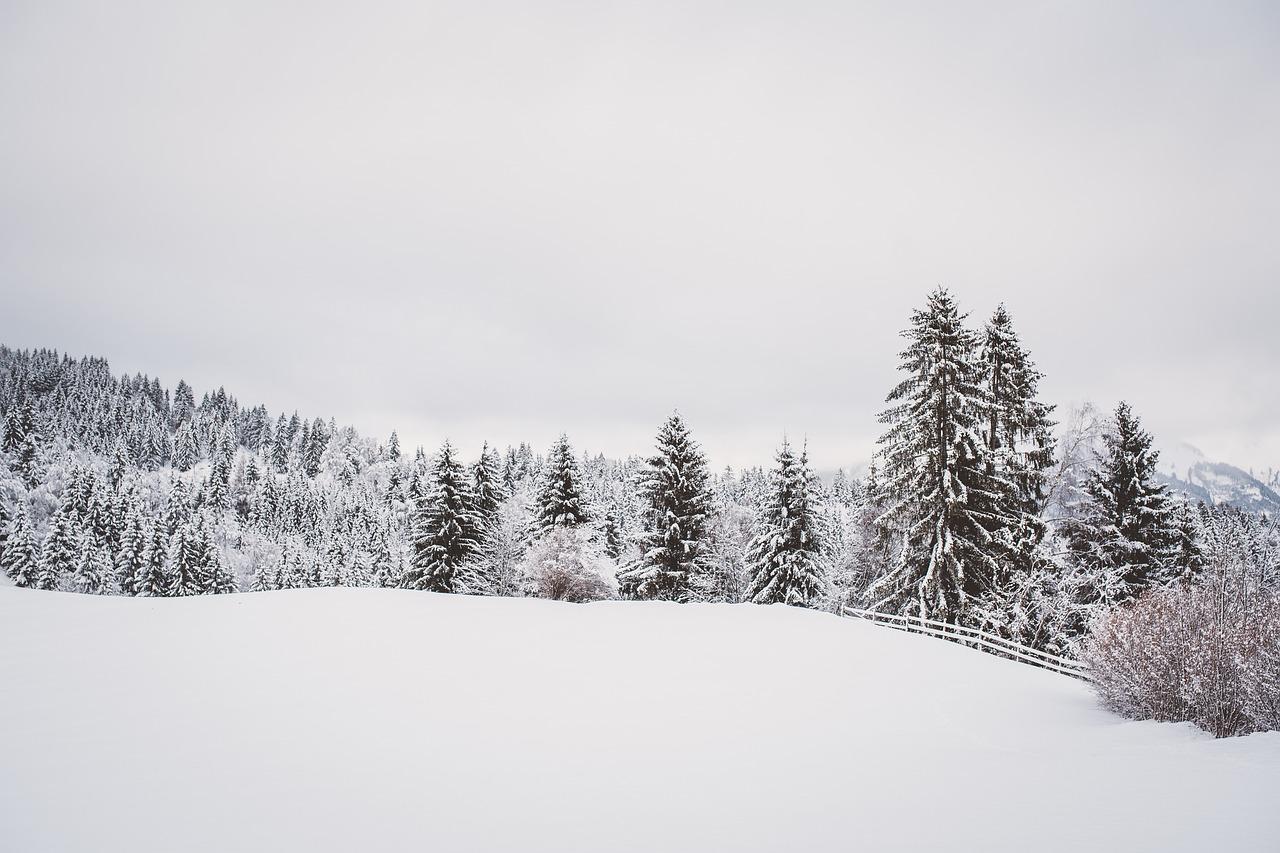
pixel 1186 470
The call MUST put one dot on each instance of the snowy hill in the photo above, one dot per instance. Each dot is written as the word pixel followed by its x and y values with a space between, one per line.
pixel 356 719
pixel 1186 470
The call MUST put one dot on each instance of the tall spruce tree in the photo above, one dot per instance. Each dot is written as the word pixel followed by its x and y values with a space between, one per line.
pixel 488 491
pixel 152 580
pixel 784 557
pixel 187 567
pixel 560 502
pixel 186 448
pixel 92 574
pixel 19 423
pixel 941 496
pixel 677 503
pixel 1125 535
pixel 1020 451
pixel 131 557
pixel 61 548
pixel 445 533
pixel 1018 432
pixel 21 558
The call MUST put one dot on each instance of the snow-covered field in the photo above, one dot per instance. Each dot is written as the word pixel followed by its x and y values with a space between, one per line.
pixel 347 719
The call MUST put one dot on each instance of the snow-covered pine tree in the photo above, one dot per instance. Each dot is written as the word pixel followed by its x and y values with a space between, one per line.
pixel 444 527
pixel 784 557
pixel 1019 441
pixel 131 557
pixel 393 447
pixel 152 580
pixel 61 548
pixel 121 464
pixel 560 501
pixel 6 523
pixel 186 448
pixel 218 577
pixel 1125 535
pixel 184 403
pixel 177 509
pixel 187 555
pixel 385 570
pixel 611 527
pixel 19 423
pixel 92 574
pixel 941 496
pixel 1018 431
pixel 487 488
pixel 677 502
pixel 28 461
pixel 218 486
pixel 21 559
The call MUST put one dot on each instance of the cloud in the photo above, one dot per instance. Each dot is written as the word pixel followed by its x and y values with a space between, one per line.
pixel 502 220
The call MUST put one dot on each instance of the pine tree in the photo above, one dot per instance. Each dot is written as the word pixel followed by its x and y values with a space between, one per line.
pixel 6 523
pixel 560 501
pixel 28 464
pixel 19 423
pixel 393 447
pixel 152 580
pixel 218 486
pixel 1125 534
pixel 177 509
pixel 674 543
pixel 941 495
pixel 1018 431
pixel 385 571
pixel 444 528
pixel 131 557
pixel 61 548
pixel 613 537
pixel 783 559
pixel 184 403
pixel 487 489
pixel 187 556
pixel 92 573
pixel 217 577
pixel 121 464
pixel 186 448
pixel 21 558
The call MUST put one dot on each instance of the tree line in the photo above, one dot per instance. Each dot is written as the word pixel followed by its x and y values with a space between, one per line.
pixel 977 509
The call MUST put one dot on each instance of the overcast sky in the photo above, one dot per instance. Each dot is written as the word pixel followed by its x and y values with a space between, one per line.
pixel 501 220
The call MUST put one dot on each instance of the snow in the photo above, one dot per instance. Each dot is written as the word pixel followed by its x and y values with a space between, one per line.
pixel 360 719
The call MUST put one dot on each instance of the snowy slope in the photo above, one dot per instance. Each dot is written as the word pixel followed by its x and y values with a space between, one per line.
pixel 350 719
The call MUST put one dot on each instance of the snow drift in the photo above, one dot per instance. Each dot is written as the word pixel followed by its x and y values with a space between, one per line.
pixel 345 719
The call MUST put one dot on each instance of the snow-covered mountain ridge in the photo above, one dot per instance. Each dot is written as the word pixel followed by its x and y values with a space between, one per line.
pixel 1186 470
pixel 345 719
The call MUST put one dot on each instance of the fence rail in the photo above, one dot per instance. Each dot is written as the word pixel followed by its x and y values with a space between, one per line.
pixel 975 638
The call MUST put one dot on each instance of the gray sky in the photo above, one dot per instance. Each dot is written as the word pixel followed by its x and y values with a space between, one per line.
pixel 500 220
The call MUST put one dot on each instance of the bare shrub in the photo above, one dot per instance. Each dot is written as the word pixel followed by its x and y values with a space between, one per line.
pixel 1208 653
pixel 567 564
